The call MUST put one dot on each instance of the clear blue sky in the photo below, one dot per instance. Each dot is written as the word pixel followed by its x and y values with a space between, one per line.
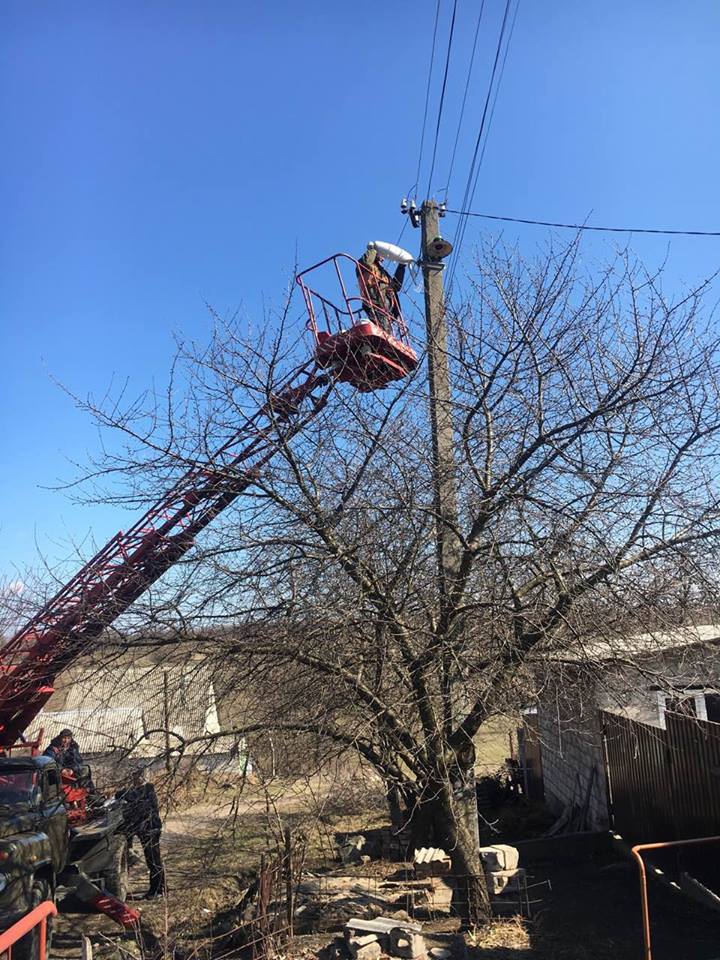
pixel 157 154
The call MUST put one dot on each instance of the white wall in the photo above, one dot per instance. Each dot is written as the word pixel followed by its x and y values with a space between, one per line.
pixel 572 759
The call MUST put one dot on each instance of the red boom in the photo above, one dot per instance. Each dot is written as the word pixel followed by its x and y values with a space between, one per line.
pixel 350 345
pixel 132 561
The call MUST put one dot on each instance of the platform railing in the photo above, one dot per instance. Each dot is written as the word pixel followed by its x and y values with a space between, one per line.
pixel 38 917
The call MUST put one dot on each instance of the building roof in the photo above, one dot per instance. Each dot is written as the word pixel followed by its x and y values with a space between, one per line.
pixel 639 645
pixel 97 730
pixel 119 704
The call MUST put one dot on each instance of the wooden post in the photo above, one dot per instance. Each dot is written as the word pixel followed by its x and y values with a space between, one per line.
pixel 289 881
pixel 166 719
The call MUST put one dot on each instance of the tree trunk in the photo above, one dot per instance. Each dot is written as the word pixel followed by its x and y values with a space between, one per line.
pixel 398 814
pixel 445 815
pixel 453 812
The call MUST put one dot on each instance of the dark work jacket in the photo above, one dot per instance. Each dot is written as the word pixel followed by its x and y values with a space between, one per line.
pixel 141 814
pixel 381 288
pixel 67 759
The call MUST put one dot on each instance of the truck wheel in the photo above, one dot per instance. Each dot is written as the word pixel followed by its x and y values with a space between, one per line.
pixel 28 948
pixel 116 878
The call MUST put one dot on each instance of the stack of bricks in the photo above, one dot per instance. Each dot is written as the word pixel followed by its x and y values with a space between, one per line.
pixel 500 862
pixel 369 939
pixel 394 843
pixel 431 862
pixel 432 867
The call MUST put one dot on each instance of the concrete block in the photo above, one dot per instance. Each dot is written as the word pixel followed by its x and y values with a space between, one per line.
pixel 367 947
pixel 499 856
pixel 408 945
pixel 501 880
pixel 368 951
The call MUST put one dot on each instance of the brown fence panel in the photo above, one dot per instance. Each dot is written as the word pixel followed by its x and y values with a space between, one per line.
pixel 639 779
pixel 663 784
pixel 694 747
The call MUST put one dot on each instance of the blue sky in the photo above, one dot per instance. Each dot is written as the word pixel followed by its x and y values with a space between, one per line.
pixel 164 153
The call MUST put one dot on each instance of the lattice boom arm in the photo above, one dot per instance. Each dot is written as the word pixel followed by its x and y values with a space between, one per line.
pixel 131 562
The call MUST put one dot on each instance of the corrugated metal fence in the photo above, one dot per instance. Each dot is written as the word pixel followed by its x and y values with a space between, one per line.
pixel 663 784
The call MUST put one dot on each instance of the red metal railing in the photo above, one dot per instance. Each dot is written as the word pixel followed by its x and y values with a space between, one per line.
pixel 348 310
pixel 37 917
pixel 645 907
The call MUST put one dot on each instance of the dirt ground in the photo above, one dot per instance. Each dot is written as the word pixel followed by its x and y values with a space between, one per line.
pixel 592 912
pixel 212 842
pixel 585 911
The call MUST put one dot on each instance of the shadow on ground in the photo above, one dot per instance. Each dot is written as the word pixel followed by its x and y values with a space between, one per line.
pixel 592 912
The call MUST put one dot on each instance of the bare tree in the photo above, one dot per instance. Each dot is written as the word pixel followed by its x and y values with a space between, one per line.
pixel 586 417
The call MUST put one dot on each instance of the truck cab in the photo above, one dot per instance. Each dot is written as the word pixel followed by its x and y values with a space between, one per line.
pixel 42 851
pixel 34 839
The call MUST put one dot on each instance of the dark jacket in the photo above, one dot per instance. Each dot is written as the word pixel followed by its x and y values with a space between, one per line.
pixel 141 814
pixel 67 758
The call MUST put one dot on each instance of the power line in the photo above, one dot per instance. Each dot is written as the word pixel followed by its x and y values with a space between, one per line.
pixel 427 95
pixel 471 175
pixel 585 226
pixel 467 87
pixel 494 103
pixel 442 96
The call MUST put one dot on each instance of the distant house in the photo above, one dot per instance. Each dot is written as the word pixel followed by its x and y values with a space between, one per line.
pixel 639 678
pixel 142 711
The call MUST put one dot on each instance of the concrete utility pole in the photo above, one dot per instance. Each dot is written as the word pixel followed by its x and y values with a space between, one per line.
pixel 449 547
pixel 441 423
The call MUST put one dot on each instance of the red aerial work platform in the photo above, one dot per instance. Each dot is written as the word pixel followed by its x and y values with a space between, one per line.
pixel 357 342
pixel 349 335
pixel 351 347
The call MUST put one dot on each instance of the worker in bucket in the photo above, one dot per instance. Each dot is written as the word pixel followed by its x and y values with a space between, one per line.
pixel 379 290
pixel 141 816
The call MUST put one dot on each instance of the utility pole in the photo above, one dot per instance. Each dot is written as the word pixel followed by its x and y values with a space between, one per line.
pixel 441 420
pixel 448 544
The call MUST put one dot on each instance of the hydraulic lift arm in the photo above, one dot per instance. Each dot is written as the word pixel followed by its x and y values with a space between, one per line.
pixel 130 562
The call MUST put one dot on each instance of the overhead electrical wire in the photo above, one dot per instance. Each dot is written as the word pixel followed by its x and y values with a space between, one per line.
pixel 486 106
pixel 585 226
pixel 427 96
pixel 472 174
pixel 465 93
pixel 442 97
pixel 494 103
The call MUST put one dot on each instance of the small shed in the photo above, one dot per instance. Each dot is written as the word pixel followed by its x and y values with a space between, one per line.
pixel 639 677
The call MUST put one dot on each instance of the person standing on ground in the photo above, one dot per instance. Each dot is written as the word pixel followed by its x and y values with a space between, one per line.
pixel 141 817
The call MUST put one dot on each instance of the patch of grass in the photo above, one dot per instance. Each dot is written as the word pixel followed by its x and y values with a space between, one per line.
pixel 499 940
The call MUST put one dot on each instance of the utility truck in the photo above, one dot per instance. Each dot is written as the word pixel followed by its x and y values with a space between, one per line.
pixel 55 834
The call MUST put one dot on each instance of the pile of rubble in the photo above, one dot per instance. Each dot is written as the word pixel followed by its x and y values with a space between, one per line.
pixel 384 936
pixel 506 880
pixel 325 902
pixel 384 843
